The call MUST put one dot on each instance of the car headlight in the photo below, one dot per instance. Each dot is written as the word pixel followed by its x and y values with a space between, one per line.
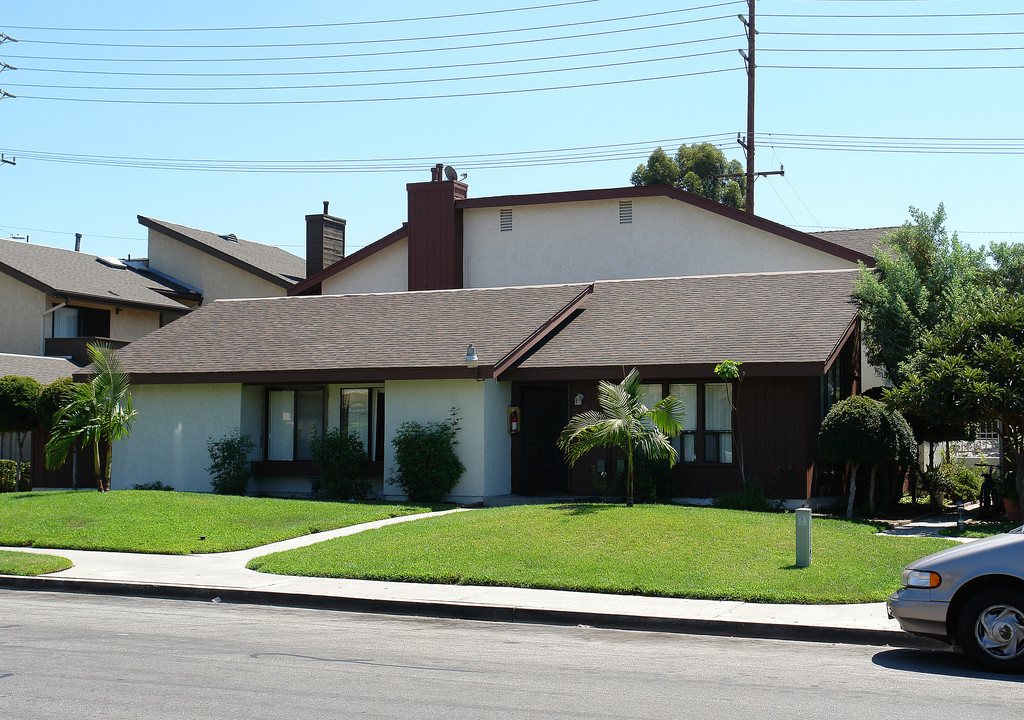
pixel 920 579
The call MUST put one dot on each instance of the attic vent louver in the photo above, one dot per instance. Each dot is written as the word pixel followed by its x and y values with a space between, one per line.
pixel 230 237
pixel 625 212
pixel 111 262
pixel 505 220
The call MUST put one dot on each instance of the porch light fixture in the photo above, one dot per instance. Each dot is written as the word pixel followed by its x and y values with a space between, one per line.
pixel 472 359
pixel 579 399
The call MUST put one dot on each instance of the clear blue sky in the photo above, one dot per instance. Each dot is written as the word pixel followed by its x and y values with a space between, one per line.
pixel 87 166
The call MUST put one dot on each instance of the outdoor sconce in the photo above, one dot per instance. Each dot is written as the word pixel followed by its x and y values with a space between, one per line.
pixel 579 399
pixel 472 359
pixel 513 420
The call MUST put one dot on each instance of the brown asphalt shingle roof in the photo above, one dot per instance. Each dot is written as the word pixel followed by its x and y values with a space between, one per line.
pixel 43 369
pixel 272 263
pixel 62 272
pixel 766 318
pixel 418 330
pixel 769 318
pixel 863 240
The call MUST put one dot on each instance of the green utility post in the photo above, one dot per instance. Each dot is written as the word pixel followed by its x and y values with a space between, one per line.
pixel 803 537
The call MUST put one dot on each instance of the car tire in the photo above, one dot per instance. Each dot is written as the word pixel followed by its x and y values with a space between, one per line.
pixel 990 629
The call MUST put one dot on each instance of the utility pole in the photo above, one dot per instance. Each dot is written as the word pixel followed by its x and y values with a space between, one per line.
pixel 748 58
pixel 4 66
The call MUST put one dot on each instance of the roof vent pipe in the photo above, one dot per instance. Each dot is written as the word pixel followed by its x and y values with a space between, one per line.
pixel 78 242
pixel 326 204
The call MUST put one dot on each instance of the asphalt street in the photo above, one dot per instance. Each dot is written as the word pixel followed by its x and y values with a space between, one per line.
pixel 78 656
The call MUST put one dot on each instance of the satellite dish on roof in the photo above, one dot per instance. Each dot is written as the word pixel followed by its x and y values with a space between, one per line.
pixel 450 173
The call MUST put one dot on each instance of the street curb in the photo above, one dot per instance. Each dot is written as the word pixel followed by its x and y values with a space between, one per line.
pixel 489 613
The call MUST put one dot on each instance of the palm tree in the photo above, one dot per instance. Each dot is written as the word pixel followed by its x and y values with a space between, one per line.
pixel 625 422
pixel 99 412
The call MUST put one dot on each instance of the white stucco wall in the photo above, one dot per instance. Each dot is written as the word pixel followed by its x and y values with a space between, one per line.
pixel 216 278
pixel 21 317
pixel 583 241
pixel 168 439
pixel 386 270
pixel 484 444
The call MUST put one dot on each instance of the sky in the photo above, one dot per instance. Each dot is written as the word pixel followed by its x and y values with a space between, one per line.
pixel 243 117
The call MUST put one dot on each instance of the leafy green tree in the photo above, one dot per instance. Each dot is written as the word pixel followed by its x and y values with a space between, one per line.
pixel 18 397
pixel 923 277
pixel 971 371
pixel 626 423
pixel 52 398
pixel 859 430
pixel 696 168
pixel 99 412
pixel 1007 271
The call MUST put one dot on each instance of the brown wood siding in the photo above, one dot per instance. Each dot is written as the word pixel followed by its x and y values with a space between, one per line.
pixel 435 236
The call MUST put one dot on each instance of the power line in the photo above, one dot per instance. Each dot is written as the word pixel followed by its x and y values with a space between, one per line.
pixel 446 48
pixel 382 83
pixel 312 25
pixel 420 38
pixel 482 93
pixel 450 66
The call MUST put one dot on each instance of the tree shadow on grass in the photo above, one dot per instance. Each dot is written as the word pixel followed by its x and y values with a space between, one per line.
pixel 582 508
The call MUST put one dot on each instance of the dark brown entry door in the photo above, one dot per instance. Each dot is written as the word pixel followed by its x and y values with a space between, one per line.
pixel 545 410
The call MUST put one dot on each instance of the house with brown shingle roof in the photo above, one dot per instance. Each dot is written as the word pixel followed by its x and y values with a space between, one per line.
pixel 554 292
pixel 56 300
pixel 332 360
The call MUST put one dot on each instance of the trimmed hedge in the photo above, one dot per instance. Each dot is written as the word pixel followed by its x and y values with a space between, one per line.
pixel 8 471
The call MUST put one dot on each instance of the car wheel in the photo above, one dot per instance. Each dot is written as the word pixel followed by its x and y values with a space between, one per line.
pixel 991 629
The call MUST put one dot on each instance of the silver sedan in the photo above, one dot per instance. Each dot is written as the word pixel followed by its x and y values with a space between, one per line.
pixel 971 595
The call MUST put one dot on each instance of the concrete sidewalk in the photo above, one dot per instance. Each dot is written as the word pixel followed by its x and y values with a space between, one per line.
pixel 222 577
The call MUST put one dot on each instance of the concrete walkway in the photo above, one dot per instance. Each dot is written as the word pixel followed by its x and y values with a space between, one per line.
pixel 222 577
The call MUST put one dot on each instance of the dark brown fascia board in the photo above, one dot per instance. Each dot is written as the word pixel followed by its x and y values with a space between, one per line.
pixel 695 371
pixel 269 377
pixel 116 302
pixel 311 285
pixel 542 333
pixel 229 259
pixel 842 341
pixel 676 194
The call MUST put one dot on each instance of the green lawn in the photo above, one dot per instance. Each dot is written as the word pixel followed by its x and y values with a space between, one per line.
pixel 175 523
pixel 643 550
pixel 980 529
pixel 22 563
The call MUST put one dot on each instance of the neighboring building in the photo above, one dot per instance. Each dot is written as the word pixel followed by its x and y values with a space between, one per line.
pixel 56 301
pixel 221 266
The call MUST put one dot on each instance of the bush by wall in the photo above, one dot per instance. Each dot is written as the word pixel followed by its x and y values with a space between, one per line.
pixel 955 481
pixel 428 467
pixel 229 463
pixel 8 471
pixel 341 459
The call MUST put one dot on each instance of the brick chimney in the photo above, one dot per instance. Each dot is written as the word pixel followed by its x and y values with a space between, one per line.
pixel 435 232
pixel 325 241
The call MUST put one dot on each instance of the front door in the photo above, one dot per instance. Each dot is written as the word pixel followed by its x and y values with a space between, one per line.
pixel 545 412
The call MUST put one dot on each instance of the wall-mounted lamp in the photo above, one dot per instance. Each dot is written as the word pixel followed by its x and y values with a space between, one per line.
pixel 578 399
pixel 472 359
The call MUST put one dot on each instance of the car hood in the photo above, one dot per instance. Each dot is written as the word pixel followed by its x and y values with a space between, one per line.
pixel 1012 545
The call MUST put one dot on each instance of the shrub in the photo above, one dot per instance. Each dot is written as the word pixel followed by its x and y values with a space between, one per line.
pixel 955 481
pixel 157 485
pixel 749 497
pixel 428 467
pixel 229 463
pixel 341 459
pixel 53 397
pixel 9 470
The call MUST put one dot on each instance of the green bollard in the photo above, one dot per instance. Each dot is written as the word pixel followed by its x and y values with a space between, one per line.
pixel 803 537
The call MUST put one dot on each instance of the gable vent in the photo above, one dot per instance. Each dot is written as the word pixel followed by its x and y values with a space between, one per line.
pixel 625 212
pixel 505 221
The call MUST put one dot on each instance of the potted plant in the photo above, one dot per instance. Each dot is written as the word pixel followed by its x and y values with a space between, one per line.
pixel 1011 498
